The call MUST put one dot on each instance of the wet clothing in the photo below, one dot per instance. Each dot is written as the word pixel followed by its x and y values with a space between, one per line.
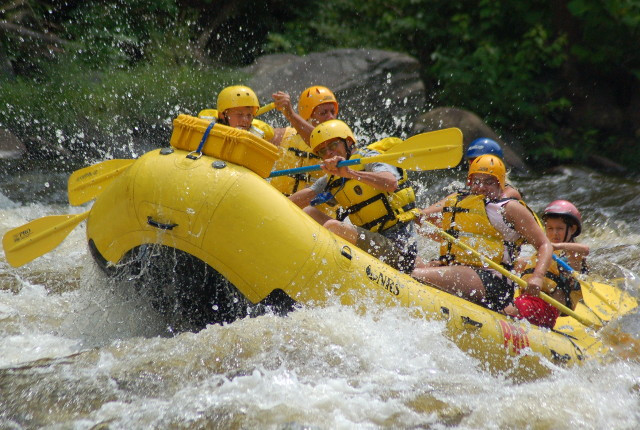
pixel 481 225
pixel 536 311
pixel 498 288
pixel 396 247
pixel 557 278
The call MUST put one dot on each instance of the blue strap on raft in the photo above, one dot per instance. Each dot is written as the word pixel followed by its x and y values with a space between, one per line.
pixel 205 135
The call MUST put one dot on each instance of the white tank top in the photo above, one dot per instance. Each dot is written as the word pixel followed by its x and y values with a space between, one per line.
pixel 495 213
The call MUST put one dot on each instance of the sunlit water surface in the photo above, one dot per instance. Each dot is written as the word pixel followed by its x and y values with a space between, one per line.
pixel 76 354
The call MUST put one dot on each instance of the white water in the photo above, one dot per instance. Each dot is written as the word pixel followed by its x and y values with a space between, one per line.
pixel 75 355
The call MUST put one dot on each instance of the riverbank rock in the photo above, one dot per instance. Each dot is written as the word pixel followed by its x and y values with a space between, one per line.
pixel 379 92
pixel 10 145
pixel 472 128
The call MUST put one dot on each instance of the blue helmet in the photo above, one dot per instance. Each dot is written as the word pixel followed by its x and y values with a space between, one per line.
pixel 482 146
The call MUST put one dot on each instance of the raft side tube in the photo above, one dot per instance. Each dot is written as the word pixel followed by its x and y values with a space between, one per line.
pixel 236 223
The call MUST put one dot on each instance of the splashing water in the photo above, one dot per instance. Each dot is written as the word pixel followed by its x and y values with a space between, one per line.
pixel 76 353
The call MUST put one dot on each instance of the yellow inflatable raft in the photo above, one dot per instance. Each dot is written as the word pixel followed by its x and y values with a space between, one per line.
pixel 220 240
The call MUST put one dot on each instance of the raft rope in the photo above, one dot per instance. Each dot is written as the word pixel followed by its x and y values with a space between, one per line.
pixel 202 142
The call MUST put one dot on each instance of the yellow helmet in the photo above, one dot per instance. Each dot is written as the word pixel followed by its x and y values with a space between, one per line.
pixel 236 96
pixel 312 97
pixel 330 130
pixel 489 164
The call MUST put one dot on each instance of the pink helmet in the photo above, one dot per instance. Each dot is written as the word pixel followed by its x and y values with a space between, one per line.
pixel 565 208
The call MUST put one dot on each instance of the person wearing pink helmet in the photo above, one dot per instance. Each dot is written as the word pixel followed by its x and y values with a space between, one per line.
pixel 562 224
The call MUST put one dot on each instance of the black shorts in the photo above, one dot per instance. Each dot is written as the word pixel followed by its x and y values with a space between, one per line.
pixel 498 289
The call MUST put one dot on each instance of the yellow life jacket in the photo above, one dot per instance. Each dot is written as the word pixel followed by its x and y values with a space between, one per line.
pixel 294 152
pixel 266 130
pixel 370 208
pixel 465 218
pixel 556 278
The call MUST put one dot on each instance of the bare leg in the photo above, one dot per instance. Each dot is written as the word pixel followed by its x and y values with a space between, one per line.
pixel 345 231
pixel 461 281
pixel 421 263
pixel 511 311
pixel 318 216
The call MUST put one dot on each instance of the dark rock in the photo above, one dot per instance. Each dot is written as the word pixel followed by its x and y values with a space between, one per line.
pixel 40 149
pixel 604 164
pixel 10 145
pixel 379 92
pixel 472 128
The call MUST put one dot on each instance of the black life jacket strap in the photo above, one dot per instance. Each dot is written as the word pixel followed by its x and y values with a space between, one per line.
pixel 303 154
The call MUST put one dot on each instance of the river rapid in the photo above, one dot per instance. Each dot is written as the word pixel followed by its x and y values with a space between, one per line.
pixel 75 354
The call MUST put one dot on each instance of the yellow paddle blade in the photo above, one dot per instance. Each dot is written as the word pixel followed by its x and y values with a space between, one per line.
pixel 432 150
pixel 87 183
pixel 586 313
pixel 36 238
pixel 606 300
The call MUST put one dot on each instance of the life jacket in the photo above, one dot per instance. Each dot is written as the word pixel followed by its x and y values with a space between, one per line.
pixel 465 218
pixel 370 208
pixel 556 277
pixel 294 152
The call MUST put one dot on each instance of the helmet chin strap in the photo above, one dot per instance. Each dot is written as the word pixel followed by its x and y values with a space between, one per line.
pixel 567 229
pixel 347 148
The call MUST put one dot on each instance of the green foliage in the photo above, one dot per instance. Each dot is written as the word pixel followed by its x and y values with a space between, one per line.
pixel 117 31
pixel 131 62
pixel 605 24
pixel 490 57
pixel 77 108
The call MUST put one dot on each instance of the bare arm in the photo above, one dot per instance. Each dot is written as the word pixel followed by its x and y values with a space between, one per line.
pixel 278 134
pixel 283 104
pixel 303 197
pixel 576 252
pixel 525 224
pixel 383 181
pixel 432 214
pixel 578 249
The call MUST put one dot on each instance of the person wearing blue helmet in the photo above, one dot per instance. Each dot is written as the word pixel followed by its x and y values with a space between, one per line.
pixel 482 146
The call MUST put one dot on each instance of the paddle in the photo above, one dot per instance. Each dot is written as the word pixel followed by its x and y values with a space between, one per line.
pixel 87 183
pixel 598 295
pixel 521 282
pixel 36 238
pixel 266 108
pixel 433 150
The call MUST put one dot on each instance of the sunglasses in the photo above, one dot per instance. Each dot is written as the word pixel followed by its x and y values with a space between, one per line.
pixel 331 146
pixel 489 182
